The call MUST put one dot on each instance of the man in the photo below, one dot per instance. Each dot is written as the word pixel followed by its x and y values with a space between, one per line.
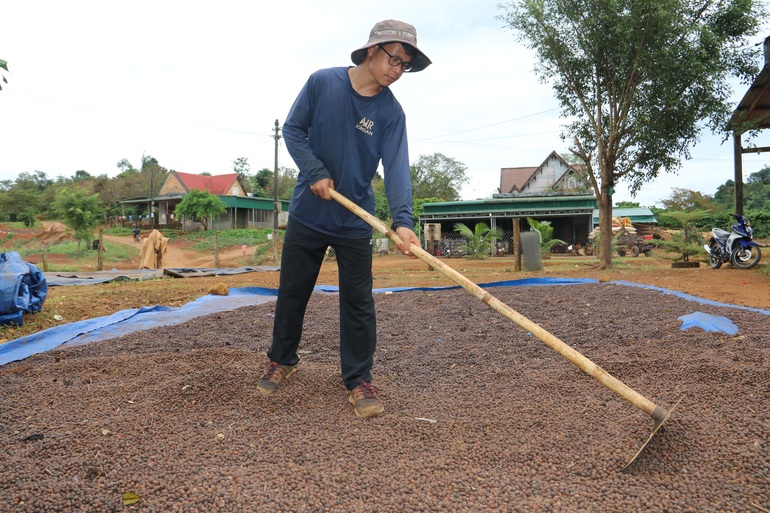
pixel 343 123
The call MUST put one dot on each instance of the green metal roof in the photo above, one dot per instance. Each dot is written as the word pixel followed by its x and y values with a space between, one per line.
pixel 520 206
pixel 230 201
pixel 253 203
pixel 636 215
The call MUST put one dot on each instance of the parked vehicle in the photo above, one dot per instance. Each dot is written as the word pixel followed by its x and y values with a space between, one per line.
pixel 735 247
pixel 624 242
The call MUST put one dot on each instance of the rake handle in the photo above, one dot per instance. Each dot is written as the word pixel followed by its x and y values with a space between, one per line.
pixel 657 413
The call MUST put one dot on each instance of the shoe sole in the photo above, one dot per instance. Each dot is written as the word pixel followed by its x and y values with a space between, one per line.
pixel 270 391
pixel 365 413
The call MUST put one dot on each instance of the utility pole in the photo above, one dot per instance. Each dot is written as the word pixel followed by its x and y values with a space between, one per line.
pixel 276 203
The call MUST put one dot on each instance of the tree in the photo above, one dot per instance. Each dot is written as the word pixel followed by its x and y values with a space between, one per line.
pixel 688 241
pixel 627 204
pixel 125 166
pixel 635 78
pixel 29 193
pixel 4 66
pixel 757 190
pixel 685 200
pixel 81 174
pixel 200 205
pixel 154 173
pixel 241 166
pixel 478 242
pixel 438 176
pixel 81 213
pixel 262 183
pixel 725 195
pixel 287 179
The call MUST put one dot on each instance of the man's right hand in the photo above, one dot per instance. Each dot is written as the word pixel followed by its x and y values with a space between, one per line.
pixel 321 188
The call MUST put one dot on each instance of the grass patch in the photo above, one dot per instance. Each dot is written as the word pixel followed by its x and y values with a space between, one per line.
pixel 205 240
pixel 88 257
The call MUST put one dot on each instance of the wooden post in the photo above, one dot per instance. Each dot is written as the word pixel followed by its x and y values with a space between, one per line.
pixel 45 261
pixel 738 156
pixel 100 257
pixel 517 244
pixel 216 249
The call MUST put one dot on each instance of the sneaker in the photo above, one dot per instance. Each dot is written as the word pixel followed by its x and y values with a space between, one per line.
pixel 365 401
pixel 274 376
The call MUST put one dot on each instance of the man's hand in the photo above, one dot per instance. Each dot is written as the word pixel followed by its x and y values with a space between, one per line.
pixel 321 188
pixel 408 237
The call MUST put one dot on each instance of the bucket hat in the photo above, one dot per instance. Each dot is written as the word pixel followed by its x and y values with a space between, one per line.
pixel 393 31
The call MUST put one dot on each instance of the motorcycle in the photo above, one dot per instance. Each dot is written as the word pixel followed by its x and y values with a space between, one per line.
pixel 735 247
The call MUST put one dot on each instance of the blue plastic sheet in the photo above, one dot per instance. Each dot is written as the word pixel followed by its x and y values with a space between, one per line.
pixel 23 288
pixel 708 322
pixel 128 321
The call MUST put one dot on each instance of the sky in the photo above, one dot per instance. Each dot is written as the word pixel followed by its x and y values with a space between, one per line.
pixel 197 85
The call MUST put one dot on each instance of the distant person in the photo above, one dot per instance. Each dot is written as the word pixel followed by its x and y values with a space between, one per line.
pixel 137 231
pixel 344 122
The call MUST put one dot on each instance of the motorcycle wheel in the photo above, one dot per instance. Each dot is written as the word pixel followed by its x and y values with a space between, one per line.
pixel 714 261
pixel 746 258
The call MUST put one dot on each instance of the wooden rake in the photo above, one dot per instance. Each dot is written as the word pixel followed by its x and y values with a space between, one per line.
pixel 659 414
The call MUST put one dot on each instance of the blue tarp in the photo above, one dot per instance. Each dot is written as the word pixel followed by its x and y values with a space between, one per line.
pixel 128 321
pixel 708 322
pixel 23 288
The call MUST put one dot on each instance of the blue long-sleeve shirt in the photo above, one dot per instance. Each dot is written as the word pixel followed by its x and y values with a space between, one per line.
pixel 334 132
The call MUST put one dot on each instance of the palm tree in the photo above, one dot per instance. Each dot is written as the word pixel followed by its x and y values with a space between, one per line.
pixel 546 235
pixel 478 242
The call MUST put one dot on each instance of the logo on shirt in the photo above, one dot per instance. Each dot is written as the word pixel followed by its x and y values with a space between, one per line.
pixel 366 126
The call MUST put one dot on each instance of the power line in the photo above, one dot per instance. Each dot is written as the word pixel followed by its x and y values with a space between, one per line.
pixel 487 126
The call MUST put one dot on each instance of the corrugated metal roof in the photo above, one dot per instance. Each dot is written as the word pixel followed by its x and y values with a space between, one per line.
pixel 531 206
pixel 753 112
pixel 636 215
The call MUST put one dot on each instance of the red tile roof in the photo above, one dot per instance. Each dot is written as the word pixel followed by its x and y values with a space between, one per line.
pixel 219 184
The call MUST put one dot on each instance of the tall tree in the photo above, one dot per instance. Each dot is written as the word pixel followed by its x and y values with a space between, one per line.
pixel 438 176
pixel 154 172
pixel 636 78
pixel 125 166
pixel 241 166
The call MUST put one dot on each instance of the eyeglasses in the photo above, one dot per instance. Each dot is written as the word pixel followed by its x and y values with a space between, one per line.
pixel 396 61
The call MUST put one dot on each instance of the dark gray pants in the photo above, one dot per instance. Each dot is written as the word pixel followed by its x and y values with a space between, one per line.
pixel 303 254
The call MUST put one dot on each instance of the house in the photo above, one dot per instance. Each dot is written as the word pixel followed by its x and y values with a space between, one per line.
pixel 554 175
pixel 243 210
pixel 552 191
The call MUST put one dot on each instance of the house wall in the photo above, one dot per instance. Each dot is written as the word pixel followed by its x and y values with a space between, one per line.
pixel 172 186
pixel 545 177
